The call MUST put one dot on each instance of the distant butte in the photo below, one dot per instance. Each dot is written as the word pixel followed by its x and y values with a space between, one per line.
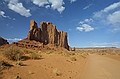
pixel 3 41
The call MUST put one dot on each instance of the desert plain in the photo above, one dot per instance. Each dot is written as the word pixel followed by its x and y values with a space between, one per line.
pixel 63 65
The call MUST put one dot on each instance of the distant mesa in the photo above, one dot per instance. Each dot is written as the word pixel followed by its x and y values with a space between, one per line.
pixel 3 41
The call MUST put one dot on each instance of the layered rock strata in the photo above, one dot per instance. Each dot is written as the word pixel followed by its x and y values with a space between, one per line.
pixel 47 34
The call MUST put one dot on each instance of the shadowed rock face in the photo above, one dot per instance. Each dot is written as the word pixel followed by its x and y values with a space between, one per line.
pixel 47 34
pixel 3 41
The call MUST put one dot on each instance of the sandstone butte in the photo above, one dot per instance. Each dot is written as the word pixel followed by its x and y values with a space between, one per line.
pixel 47 34
pixel 45 37
pixel 3 41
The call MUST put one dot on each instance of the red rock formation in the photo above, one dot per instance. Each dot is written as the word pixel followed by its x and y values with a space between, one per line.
pixel 47 34
pixel 3 41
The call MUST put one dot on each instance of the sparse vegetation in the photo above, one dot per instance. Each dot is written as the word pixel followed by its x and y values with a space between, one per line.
pixel 4 64
pixel 57 72
pixel 35 55
pixel 13 53
pixel 28 51
pixel 30 72
pixel 17 77
pixel 73 59
pixel 84 54
pixel 20 63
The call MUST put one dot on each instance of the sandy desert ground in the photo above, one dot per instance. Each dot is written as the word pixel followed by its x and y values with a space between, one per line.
pixel 59 66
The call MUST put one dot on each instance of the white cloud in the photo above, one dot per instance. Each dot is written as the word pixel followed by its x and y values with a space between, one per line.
pixel 112 7
pixel 103 13
pixel 40 2
pixel 57 4
pixel 85 27
pixel 81 22
pixel 87 7
pixel 10 40
pixel 14 19
pixel 2 13
pixel 13 39
pixel 86 21
pixel 71 1
pixel 109 16
pixel 47 6
pixel 19 8
pixel 54 4
pixel 114 17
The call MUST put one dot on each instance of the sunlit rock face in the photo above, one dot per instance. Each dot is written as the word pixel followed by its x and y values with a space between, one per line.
pixel 47 34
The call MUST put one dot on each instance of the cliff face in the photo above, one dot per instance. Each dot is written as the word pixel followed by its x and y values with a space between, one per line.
pixel 3 41
pixel 47 34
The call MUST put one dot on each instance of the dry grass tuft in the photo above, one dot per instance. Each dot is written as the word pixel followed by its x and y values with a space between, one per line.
pixel 35 55
pixel 73 59
pixel 57 72
pixel 13 53
pixel 20 63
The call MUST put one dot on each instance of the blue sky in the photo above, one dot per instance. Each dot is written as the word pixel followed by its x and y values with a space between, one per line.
pixel 89 23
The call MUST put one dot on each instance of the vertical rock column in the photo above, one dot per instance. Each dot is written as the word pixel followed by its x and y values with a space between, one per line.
pixel 34 32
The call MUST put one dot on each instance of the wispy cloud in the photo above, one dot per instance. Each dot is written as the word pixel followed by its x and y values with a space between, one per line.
pixel 71 1
pixel 106 44
pixel 19 8
pixel 86 21
pixel 114 17
pixel 109 16
pixel 87 7
pixel 2 13
pixel 85 27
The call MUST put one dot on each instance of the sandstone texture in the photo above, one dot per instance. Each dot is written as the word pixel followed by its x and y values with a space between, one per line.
pixel 3 41
pixel 47 34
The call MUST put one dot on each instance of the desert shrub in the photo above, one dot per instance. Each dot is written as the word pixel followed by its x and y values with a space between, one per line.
pixel 28 51
pixel 84 54
pixel 4 64
pixel 102 53
pixel 72 53
pixel 48 52
pixel 13 53
pixel 57 72
pixel 35 56
pixel 73 59
pixel 17 77
pixel 118 54
pixel 20 63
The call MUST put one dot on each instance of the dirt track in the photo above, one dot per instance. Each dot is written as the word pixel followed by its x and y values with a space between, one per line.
pixel 100 67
